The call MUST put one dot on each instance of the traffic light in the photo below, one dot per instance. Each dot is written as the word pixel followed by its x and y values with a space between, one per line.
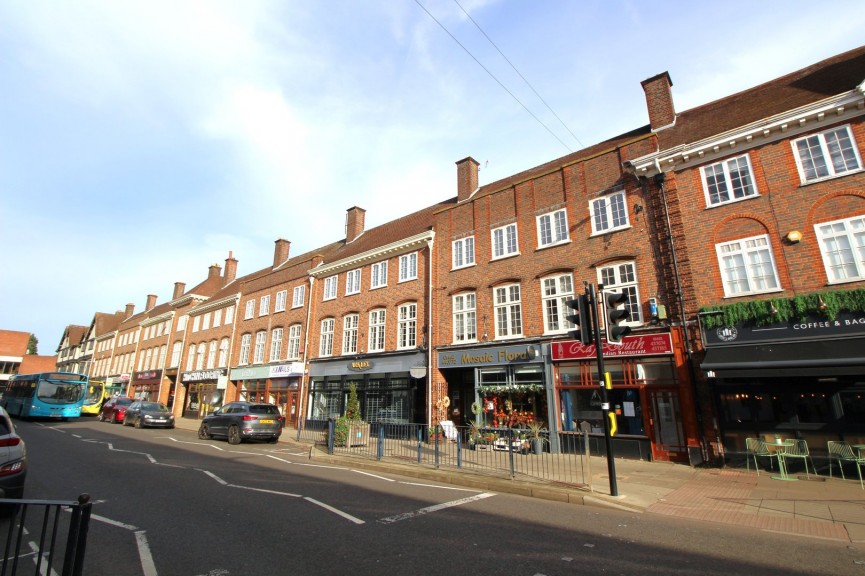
pixel 613 315
pixel 581 318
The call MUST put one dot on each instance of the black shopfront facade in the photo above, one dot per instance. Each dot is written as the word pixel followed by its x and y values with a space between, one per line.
pixel 799 379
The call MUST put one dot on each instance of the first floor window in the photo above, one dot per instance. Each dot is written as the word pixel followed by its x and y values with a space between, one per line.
pixel 211 354
pixel 505 241
pixel 264 306
pixel 552 228
pixel 199 358
pixel 175 354
pixel 842 244
pixel 250 310
pixel 280 301
pixel 260 342
pixel 747 266
pixel 275 344
pixel 294 342
pixel 408 267
pixel 326 345
pixel 376 330
pixel 622 277
pixel 463 252
pixel 465 318
pixel 609 213
pixel 223 353
pixel 330 287
pixel 352 281
pixel 407 335
pixel 297 296
pixel 556 291
pixel 229 315
pixel 378 274
pixel 508 310
pixel 190 358
pixel 349 334
pixel 245 341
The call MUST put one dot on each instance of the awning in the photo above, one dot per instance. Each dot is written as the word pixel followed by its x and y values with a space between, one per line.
pixel 805 358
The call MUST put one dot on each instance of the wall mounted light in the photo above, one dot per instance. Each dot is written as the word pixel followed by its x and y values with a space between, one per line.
pixel 794 236
pixel 638 208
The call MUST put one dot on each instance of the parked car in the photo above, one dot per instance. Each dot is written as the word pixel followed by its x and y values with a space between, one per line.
pixel 13 459
pixel 239 421
pixel 114 410
pixel 143 414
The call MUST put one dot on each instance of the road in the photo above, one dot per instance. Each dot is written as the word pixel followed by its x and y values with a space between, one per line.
pixel 167 503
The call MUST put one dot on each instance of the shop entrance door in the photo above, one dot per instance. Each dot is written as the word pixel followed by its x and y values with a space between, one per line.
pixel 668 436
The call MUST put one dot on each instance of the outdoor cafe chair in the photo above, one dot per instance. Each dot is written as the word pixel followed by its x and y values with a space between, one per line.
pixel 757 447
pixel 842 452
pixel 800 450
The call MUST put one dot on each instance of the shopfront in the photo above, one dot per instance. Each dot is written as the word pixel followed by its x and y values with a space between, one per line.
pixel 391 389
pixel 277 384
pixel 801 379
pixel 146 385
pixel 495 387
pixel 205 391
pixel 650 397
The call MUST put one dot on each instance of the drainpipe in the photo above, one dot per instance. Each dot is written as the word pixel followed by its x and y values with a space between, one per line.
pixel 430 244
pixel 304 378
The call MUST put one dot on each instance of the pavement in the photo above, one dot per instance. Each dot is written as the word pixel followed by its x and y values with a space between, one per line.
pixel 810 505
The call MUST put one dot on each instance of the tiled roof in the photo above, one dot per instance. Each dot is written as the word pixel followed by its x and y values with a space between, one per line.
pixel 830 77
pixel 75 334
pixel 13 343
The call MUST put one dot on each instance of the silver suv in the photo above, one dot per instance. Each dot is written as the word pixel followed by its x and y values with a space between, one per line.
pixel 13 459
pixel 239 421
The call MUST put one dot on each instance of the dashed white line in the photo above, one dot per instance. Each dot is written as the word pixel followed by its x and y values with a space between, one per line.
pixel 374 475
pixel 147 565
pixel 334 510
pixel 265 490
pixel 435 508
pixel 129 527
pixel 214 476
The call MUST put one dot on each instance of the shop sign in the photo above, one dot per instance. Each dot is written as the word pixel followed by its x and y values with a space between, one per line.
pixel 202 375
pixel 640 345
pixel 812 328
pixel 147 375
pixel 286 370
pixel 361 365
pixel 488 356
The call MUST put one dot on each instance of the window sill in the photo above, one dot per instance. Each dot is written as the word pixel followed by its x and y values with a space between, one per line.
pixel 804 183
pixel 505 257
pixel 610 231
pixel 735 201
pixel 553 244
pixel 746 294
pixel 472 265
pixel 406 280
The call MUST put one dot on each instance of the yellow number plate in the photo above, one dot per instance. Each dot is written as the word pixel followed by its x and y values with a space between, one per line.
pixel 267 421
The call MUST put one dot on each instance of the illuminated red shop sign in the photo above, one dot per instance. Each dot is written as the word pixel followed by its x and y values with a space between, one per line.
pixel 643 345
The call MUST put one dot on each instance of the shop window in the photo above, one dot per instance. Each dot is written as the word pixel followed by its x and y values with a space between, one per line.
pixel 584 404
pixel 511 396
pixel 852 406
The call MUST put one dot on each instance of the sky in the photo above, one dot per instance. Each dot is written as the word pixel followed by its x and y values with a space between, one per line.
pixel 141 142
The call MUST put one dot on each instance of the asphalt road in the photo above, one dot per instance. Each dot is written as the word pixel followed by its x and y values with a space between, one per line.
pixel 170 504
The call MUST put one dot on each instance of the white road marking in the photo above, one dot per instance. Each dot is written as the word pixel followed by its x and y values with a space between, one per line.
pixel 129 527
pixel 214 476
pixel 36 560
pixel 334 510
pixel 147 565
pixel 266 491
pixel 436 508
pixel 374 475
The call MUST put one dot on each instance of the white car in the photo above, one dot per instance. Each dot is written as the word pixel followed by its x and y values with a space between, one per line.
pixel 13 459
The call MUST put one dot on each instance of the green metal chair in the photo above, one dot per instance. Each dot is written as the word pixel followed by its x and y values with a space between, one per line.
pixel 757 447
pixel 800 450
pixel 842 452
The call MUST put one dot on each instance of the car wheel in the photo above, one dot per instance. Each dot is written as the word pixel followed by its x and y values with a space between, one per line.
pixel 203 432
pixel 233 434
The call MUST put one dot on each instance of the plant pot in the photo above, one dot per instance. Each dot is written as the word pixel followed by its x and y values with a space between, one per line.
pixel 537 445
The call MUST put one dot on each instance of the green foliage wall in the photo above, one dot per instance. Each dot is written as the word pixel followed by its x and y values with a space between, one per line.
pixel 780 310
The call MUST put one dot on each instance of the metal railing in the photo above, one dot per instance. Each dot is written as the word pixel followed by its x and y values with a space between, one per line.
pixel 35 532
pixel 497 451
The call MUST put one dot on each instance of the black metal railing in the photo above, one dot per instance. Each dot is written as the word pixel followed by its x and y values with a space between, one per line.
pixel 35 534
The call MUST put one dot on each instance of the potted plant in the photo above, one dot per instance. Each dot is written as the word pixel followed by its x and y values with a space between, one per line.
pixel 536 436
pixel 350 429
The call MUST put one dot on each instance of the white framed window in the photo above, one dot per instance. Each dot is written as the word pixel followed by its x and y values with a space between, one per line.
pixel 199 357
pixel 378 275
pixel 622 277
pixel 279 305
pixel 747 266
pixel 463 252
pixel 223 353
pixel 352 282
pixel 294 342
pixel 842 245
pixel 245 341
pixel 505 241
pixel 827 154
pixel 407 326
pixel 325 347
pixel 160 328
pixel 408 267
pixel 260 343
pixel 190 357
pixel 162 352
pixel 205 321
pixel 349 334
pixel 728 181
pixel 376 330
pixel 297 296
pixel 330 285
pixel 552 228
pixel 264 305
pixel 250 310
pixel 144 361
pixel 196 323
pixel 609 212
pixel 211 354
pixel 229 315
pixel 176 350
pixel 555 292
pixel 508 310
pixel 275 344
pixel 217 316
pixel 465 317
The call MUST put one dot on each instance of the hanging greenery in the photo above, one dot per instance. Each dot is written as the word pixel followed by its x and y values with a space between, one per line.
pixel 780 310
pixel 510 388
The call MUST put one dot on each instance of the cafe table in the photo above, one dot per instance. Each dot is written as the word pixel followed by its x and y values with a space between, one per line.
pixel 780 447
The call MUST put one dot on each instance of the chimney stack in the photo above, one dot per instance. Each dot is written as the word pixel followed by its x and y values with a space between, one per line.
pixel 151 302
pixel 280 252
pixel 179 289
pixel 659 101
pixel 130 309
pixel 354 221
pixel 467 178
pixel 213 271
pixel 230 269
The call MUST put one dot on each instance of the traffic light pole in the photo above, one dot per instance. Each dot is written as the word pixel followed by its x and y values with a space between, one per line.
pixel 605 406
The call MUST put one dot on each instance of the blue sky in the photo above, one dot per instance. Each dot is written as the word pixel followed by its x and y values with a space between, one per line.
pixel 140 142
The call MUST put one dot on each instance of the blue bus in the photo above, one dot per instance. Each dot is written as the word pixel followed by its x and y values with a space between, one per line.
pixel 46 395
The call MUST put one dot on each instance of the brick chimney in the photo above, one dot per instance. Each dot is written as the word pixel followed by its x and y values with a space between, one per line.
pixel 230 269
pixel 213 271
pixel 151 301
pixel 659 101
pixel 179 289
pixel 130 310
pixel 467 178
pixel 354 221
pixel 280 252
